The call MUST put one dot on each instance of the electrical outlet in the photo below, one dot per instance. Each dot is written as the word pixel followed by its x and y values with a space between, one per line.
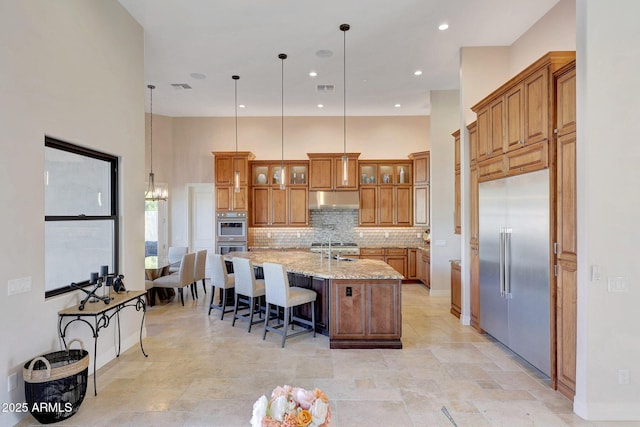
pixel 418 235
pixel 361 234
pixel 298 235
pixel 386 234
pixel 623 376
pixel 617 284
pixel 269 235
pixel 12 382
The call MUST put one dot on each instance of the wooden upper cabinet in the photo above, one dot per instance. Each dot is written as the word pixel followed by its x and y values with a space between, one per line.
pixel 496 144
pixel 536 98
pixel 514 113
pixel 456 148
pixel 298 206
pixel 473 142
pixel 325 171
pixel 225 164
pixel 473 206
pixel 566 102
pixel 457 225
pixel 420 168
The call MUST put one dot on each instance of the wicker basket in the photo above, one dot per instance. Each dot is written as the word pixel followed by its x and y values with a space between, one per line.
pixel 55 384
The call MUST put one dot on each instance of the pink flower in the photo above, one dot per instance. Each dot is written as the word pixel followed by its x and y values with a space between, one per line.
pixel 304 397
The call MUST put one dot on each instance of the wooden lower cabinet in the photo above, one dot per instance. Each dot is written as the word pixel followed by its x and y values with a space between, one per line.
pixel 424 268
pixel 412 263
pixel 566 324
pixel 395 257
pixel 365 314
pixel 474 289
pixel 456 289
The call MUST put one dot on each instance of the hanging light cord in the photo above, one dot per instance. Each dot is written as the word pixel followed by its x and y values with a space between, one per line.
pixel 151 88
pixel 344 28
pixel 282 56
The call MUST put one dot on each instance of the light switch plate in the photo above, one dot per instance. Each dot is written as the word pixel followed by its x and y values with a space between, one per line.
pixel 18 286
pixel 617 284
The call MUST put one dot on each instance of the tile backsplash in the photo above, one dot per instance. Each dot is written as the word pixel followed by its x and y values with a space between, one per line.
pixel 341 225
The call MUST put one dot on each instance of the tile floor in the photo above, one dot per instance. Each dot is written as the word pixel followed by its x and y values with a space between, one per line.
pixel 203 372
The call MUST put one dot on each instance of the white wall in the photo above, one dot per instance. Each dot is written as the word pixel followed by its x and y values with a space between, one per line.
pixel 608 58
pixel 445 245
pixel 72 70
pixel 194 139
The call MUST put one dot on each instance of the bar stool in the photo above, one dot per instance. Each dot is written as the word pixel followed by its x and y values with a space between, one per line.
pixel 279 293
pixel 220 279
pixel 249 287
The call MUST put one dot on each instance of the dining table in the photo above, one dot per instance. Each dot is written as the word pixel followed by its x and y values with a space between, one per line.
pixel 154 267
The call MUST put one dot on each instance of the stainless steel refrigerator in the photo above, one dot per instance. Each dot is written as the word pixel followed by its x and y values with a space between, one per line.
pixel 514 264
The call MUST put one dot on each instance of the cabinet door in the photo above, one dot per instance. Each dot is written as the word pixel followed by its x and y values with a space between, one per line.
pixel 368 206
pixel 473 205
pixel 536 98
pixel 403 206
pixel 419 267
pixel 298 206
pixel 496 144
pixel 260 212
pixel 473 142
pixel 566 198
pixel 457 223
pixel 456 291
pixel 491 169
pixel 383 310
pixel 385 206
pixel 566 102
pixel 528 159
pixel 421 169
pixel 421 203
pixel 240 199
pixel 514 100
pixel 456 149
pixel 223 198
pixel 566 301
pixel 224 170
pixel 352 174
pixel 398 262
pixel 278 206
pixel 320 174
pixel 475 288
pixel 348 314
pixel 411 264
pixel 484 133
pixel 426 270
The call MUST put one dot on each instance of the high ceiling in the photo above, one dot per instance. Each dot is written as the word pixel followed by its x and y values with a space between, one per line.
pixel 202 43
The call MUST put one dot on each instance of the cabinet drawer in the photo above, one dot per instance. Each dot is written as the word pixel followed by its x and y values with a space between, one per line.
pixel 528 159
pixel 491 169
pixel 371 251
pixel 395 251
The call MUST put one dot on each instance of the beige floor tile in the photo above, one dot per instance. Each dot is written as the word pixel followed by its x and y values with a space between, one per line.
pixel 201 371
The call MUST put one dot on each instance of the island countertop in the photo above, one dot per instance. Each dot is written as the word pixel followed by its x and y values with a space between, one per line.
pixel 312 264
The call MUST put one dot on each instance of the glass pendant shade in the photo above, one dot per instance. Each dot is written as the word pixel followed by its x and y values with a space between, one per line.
pixel 345 170
pixel 345 161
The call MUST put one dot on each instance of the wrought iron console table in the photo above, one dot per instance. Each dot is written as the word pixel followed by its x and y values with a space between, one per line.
pixel 102 314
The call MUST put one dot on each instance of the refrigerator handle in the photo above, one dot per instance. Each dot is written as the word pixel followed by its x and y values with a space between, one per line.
pixel 501 258
pixel 507 262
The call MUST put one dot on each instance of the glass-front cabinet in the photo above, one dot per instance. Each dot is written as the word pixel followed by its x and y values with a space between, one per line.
pixel 269 174
pixel 368 174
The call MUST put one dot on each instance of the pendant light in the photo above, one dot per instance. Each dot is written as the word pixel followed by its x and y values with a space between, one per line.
pixel 283 173
pixel 345 160
pixel 153 194
pixel 236 174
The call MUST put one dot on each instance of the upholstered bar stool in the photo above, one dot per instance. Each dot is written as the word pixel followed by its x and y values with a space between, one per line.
pixel 181 279
pixel 247 287
pixel 279 293
pixel 199 272
pixel 220 279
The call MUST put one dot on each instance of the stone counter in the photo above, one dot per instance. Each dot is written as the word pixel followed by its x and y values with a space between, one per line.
pixel 359 302
pixel 313 264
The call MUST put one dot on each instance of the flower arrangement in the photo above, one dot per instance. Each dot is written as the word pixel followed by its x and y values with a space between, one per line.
pixel 292 407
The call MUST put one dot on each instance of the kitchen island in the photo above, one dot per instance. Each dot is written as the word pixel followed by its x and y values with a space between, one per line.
pixel 358 303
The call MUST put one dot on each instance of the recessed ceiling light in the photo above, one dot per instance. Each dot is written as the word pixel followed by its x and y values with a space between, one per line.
pixel 242 106
pixel 198 76
pixel 397 105
pixel 443 26
pixel 320 105
pixel 417 73
pixel 313 73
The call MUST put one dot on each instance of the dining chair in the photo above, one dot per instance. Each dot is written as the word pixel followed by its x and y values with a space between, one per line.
pixel 199 273
pixel 220 279
pixel 174 255
pixel 249 287
pixel 280 294
pixel 184 276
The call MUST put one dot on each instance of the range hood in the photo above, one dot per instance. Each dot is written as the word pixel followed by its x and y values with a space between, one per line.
pixel 334 200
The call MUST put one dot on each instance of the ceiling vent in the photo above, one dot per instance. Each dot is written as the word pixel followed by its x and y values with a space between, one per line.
pixel 325 88
pixel 181 86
